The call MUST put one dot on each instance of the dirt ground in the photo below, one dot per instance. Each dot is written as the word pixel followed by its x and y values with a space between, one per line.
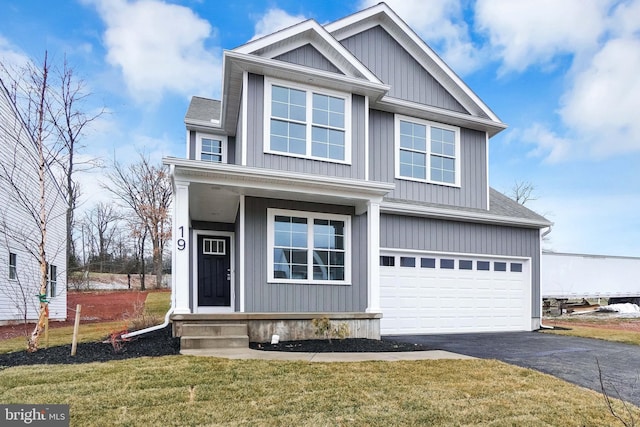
pixel 614 323
pixel 97 306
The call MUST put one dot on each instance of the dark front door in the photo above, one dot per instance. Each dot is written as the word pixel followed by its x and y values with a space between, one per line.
pixel 214 271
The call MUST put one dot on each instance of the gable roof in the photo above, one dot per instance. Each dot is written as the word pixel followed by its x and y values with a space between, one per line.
pixel 309 32
pixel 384 16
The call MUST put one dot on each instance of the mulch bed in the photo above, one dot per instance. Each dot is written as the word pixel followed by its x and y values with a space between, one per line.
pixel 152 344
pixel 348 345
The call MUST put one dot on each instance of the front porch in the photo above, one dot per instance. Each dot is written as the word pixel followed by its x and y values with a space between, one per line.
pixel 260 327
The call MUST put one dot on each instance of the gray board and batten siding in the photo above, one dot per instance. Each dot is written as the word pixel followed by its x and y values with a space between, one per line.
pixel 256 157
pixel 261 296
pixel 473 164
pixel 393 65
pixel 309 56
pixel 427 234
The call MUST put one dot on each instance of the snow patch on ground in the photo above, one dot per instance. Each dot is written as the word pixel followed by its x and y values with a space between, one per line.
pixel 626 308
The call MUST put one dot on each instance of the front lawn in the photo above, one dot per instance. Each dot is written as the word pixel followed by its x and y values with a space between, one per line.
pixel 183 390
pixel 623 336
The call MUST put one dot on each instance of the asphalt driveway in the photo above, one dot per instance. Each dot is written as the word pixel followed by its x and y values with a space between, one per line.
pixel 569 358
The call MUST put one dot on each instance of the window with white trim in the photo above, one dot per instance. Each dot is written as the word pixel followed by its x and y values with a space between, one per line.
pixel 13 266
pixel 52 280
pixel 211 148
pixel 302 121
pixel 308 247
pixel 427 151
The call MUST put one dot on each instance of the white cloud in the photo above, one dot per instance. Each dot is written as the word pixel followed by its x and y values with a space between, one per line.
pixel 547 143
pixel 603 103
pixel 11 56
pixel 441 24
pixel 159 48
pixel 534 32
pixel 274 20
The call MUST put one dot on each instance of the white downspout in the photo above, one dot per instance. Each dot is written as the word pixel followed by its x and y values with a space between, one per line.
pixel 157 327
pixel 542 236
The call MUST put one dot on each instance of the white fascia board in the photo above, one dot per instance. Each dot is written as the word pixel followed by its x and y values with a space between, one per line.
pixel 384 16
pixel 302 74
pixel 312 28
pixel 204 125
pixel 428 112
pixel 458 215
pixel 268 179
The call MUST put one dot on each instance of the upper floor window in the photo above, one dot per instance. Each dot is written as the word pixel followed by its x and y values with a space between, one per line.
pixel 427 151
pixel 306 247
pixel 307 122
pixel 13 266
pixel 211 148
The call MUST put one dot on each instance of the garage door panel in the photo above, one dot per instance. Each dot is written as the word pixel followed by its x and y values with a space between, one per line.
pixel 437 300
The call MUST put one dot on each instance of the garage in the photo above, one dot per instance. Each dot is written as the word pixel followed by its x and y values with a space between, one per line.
pixel 430 293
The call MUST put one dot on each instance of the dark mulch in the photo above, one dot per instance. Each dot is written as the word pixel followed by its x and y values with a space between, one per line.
pixel 156 343
pixel 348 345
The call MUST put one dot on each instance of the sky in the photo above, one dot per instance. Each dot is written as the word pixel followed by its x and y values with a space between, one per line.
pixel 564 75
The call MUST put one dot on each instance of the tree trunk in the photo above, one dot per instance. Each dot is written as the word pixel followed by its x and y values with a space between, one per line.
pixel 44 305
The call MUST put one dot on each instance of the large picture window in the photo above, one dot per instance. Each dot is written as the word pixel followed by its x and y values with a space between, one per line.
pixel 307 247
pixel 307 122
pixel 427 151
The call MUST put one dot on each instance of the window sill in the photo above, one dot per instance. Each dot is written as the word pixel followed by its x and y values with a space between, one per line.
pixel 312 282
pixel 425 181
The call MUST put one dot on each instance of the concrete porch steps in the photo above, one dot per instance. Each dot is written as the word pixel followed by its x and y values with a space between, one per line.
pixel 205 335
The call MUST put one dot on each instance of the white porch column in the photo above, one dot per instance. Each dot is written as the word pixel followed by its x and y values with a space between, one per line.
pixel 373 256
pixel 181 248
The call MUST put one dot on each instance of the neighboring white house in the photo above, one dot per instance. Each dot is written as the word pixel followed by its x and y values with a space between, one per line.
pixel 19 231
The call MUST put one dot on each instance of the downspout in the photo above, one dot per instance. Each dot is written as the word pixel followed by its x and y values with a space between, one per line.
pixel 542 236
pixel 157 327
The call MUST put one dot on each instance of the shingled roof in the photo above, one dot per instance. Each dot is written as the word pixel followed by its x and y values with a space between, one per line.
pixel 203 109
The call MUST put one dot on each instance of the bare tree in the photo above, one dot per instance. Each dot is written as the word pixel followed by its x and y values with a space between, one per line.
pixel 34 152
pixel 523 192
pixel 146 190
pixel 70 120
pixel 102 223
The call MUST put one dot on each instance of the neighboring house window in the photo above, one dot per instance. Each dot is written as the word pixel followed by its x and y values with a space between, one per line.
pixel 307 247
pixel 13 266
pixel 427 151
pixel 52 280
pixel 307 122
pixel 211 148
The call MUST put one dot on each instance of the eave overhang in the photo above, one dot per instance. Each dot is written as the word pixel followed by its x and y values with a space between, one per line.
pixel 235 64
pixel 460 215
pixel 268 183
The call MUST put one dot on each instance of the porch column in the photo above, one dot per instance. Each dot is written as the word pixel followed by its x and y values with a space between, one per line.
pixel 181 248
pixel 373 256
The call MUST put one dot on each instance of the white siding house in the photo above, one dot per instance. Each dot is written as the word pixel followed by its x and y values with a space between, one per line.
pixel 20 232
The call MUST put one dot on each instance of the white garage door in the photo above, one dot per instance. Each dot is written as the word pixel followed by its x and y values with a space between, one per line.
pixel 441 293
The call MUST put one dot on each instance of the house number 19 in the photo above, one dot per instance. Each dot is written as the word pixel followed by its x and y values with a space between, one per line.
pixel 181 242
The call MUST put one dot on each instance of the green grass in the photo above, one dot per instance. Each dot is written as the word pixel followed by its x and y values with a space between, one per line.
pixel 155 307
pixel 183 390
pixel 627 337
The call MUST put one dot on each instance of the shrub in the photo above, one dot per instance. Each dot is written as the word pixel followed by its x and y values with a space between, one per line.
pixel 325 328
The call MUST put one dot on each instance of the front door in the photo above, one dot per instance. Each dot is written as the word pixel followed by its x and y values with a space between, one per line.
pixel 214 271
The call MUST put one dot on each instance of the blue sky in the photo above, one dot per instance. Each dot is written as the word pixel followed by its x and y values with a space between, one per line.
pixel 564 75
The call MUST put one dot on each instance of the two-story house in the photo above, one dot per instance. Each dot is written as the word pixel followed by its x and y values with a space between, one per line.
pixel 344 172
pixel 20 232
